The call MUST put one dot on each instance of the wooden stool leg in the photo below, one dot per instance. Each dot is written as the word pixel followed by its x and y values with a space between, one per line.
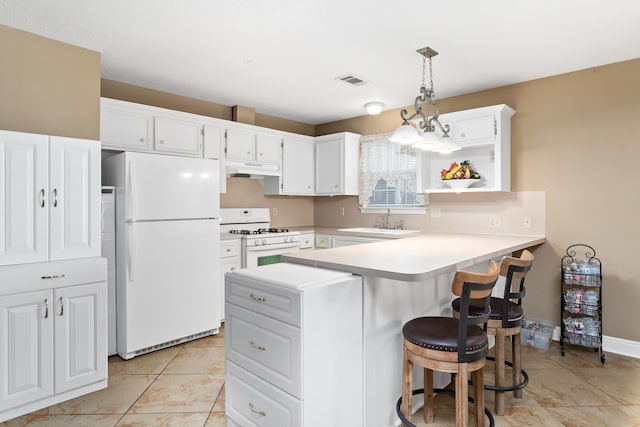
pixel 407 384
pixel 517 364
pixel 499 375
pixel 428 396
pixel 462 395
pixel 478 397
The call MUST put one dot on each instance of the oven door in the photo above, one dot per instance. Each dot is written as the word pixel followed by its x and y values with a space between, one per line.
pixel 268 254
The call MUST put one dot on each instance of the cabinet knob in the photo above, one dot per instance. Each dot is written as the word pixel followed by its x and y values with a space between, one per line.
pixel 248 152
pixel 463 135
pixel 162 141
pixel 141 139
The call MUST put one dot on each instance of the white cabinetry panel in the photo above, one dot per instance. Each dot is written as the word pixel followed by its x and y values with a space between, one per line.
pixel 336 168
pixel 178 136
pixel 49 198
pixel 80 311
pixel 24 203
pixel 26 353
pixel 74 186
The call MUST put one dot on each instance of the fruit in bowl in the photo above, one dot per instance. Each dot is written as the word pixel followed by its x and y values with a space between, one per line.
pixel 459 171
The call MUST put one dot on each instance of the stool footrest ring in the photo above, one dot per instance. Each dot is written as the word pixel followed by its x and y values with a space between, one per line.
pixel 436 390
pixel 523 384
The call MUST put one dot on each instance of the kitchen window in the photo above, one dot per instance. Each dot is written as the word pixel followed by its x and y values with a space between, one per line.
pixel 388 176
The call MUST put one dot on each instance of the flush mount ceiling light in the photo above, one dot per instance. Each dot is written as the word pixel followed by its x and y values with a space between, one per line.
pixel 374 108
pixel 429 140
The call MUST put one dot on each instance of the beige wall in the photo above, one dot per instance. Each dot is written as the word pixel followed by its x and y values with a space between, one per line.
pixel 48 87
pixel 577 137
pixel 248 193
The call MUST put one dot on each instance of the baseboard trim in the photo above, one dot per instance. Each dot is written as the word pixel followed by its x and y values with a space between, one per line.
pixel 621 346
pixel 611 344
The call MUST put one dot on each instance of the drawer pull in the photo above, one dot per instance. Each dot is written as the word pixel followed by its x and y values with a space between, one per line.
pixel 253 409
pixel 257 347
pixel 259 299
pixel 54 276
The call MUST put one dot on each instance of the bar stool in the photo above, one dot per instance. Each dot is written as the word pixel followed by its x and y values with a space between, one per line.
pixel 457 346
pixel 505 320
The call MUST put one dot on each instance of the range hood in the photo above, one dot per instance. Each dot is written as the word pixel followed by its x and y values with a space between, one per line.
pixel 255 170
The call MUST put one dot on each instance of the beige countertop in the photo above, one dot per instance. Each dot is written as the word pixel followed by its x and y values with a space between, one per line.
pixel 415 258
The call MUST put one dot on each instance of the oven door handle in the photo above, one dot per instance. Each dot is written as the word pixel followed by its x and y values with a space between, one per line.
pixel 276 246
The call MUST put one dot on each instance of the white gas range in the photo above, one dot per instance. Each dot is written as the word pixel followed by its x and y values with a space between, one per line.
pixel 261 244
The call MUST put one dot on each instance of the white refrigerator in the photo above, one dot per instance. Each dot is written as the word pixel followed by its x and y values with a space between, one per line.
pixel 167 249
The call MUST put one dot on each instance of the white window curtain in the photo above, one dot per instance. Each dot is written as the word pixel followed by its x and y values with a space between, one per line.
pixel 390 161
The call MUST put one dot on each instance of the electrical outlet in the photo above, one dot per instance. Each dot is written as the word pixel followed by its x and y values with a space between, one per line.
pixel 526 222
pixel 435 212
pixel 274 211
pixel 341 210
pixel 495 222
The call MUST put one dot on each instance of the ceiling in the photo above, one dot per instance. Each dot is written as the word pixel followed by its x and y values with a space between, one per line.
pixel 283 56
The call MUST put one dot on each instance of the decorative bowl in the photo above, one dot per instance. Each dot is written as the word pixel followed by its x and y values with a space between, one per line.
pixel 460 183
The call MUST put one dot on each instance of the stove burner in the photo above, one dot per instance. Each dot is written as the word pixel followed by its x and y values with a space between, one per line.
pixel 260 231
pixel 240 232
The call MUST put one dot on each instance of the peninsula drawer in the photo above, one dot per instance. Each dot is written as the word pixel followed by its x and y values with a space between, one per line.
pixel 229 248
pixel 252 402
pixel 267 348
pixel 273 301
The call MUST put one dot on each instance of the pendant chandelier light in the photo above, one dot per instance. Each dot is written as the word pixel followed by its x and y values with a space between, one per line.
pixel 425 136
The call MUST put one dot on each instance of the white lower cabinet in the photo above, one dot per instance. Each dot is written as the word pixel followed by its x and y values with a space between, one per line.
pixel 53 344
pixel 288 361
pixel 229 261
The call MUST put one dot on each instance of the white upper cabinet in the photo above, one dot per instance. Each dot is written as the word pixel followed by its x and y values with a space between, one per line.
pixel 213 148
pixel 336 158
pixel 251 146
pixel 268 148
pixel 485 137
pixel 178 136
pixel 125 126
pixel 298 168
pixel 134 127
pixel 49 198
pixel 241 145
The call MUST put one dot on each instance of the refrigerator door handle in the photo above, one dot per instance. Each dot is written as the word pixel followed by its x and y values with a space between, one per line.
pixel 132 252
pixel 131 190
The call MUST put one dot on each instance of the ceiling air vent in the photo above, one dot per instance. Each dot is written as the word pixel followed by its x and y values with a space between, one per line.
pixel 352 80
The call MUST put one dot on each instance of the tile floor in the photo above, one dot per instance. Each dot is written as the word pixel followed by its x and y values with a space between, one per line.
pixel 184 386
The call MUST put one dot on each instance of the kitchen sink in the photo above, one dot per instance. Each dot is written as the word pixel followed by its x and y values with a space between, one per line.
pixel 378 230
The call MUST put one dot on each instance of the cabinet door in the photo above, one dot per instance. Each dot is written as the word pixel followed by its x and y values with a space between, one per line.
pixel 125 130
pixel 329 162
pixel 178 136
pixel 476 130
pixel 74 192
pixel 81 335
pixel 26 348
pixel 227 265
pixel 298 167
pixel 213 148
pixel 240 144
pixel 23 197
pixel 268 148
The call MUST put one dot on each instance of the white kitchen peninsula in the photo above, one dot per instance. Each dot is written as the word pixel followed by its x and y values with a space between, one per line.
pixel 403 279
